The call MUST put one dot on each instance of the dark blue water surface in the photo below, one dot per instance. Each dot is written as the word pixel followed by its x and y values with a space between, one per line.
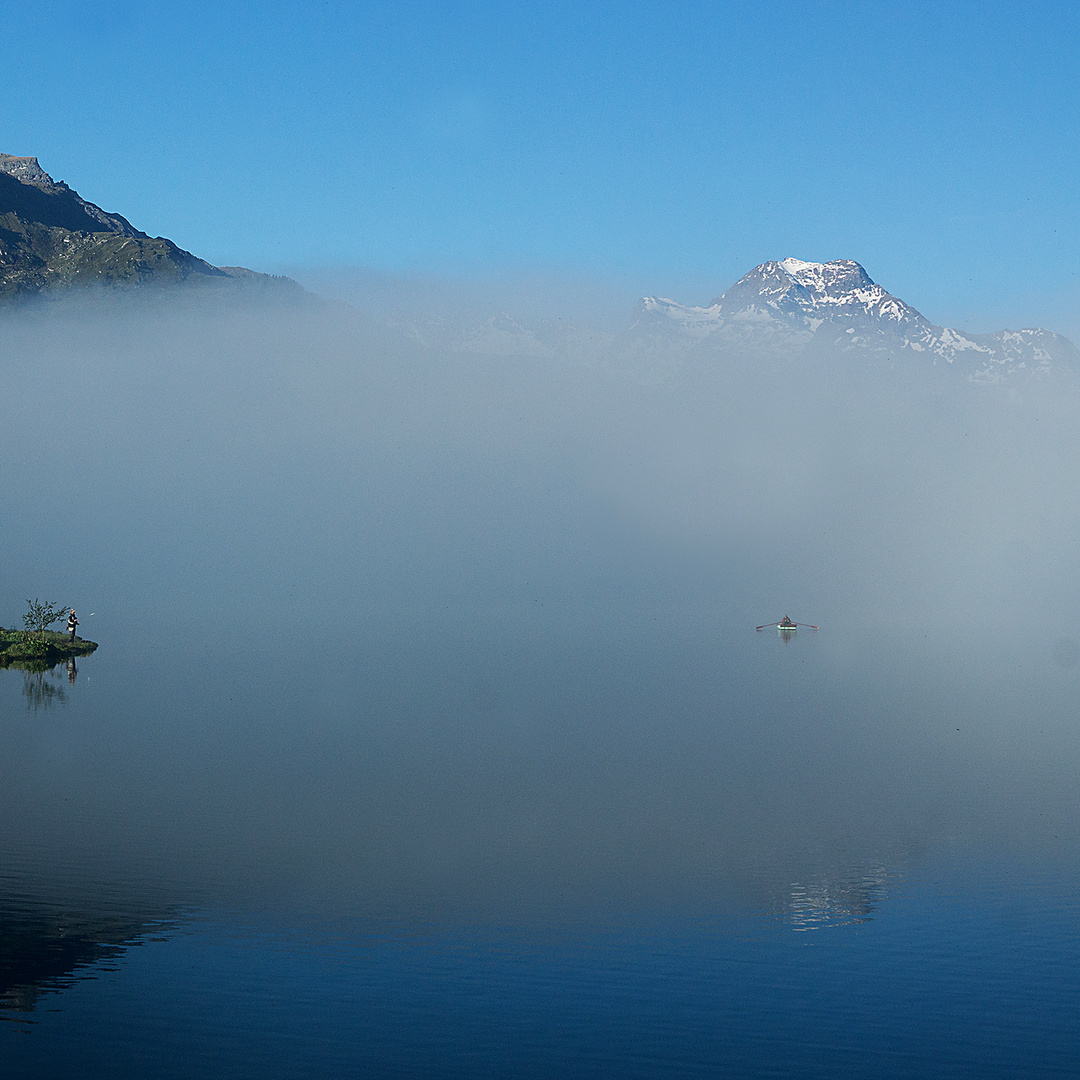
pixel 961 982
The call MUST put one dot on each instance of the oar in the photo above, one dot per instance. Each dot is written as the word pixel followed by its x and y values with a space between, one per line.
pixel 810 625
pixel 763 625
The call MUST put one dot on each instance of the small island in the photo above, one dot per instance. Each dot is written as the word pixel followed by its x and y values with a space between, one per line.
pixel 36 647
pixel 19 650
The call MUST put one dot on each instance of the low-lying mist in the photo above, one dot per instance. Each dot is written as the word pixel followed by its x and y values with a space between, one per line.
pixel 421 626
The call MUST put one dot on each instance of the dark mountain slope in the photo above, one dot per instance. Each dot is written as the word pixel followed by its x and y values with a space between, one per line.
pixel 50 238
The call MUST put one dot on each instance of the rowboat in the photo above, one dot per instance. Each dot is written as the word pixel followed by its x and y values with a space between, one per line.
pixel 786 626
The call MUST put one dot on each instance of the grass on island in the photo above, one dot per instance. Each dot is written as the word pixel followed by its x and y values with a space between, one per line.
pixel 22 650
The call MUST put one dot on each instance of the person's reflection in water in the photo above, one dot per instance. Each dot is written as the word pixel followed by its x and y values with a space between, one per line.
pixel 72 670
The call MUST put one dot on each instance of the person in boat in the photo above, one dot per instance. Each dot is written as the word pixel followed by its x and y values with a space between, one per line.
pixel 786 624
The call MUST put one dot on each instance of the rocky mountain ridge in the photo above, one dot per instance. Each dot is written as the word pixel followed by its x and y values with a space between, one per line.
pixel 51 238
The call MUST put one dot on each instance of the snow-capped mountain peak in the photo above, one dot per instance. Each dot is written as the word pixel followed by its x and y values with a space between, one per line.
pixel 787 306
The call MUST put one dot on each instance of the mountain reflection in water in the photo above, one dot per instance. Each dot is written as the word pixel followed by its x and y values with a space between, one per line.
pixel 47 944
pixel 835 901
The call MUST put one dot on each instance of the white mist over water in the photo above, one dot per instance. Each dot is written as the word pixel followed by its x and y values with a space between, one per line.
pixel 414 629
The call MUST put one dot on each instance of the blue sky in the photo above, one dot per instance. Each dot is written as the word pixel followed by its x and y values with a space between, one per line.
pixel 666 147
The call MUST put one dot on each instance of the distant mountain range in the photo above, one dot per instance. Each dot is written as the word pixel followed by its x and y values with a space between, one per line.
pixel 794 308
pixel 52 238
pixel 787 313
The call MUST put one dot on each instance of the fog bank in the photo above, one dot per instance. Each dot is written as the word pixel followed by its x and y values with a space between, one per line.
pixel 392 619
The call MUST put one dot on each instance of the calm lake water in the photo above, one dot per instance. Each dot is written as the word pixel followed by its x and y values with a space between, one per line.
pixel 500 876
pixel 429 734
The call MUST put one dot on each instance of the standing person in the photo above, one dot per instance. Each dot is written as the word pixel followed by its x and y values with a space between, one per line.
pixel 72 623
